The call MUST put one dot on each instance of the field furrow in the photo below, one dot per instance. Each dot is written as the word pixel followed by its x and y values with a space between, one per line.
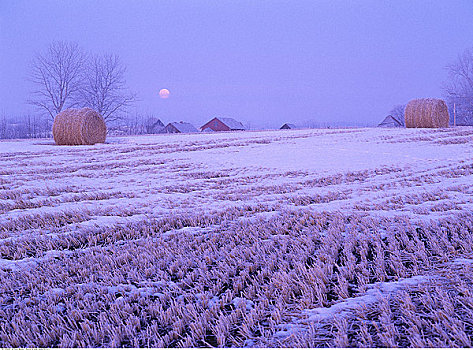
pixel 349 237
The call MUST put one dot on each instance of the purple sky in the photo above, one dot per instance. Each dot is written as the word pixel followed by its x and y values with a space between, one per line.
pixel 262 62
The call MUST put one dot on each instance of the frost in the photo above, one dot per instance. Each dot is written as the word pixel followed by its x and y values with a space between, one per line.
pixel 249 239
pixel 373 295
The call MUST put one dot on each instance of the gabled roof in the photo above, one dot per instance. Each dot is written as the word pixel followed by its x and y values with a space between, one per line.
pixel 232 123
pixel 156 126
pixel 288 126
pixel 390 121
pixel 184 127
pixel 158 123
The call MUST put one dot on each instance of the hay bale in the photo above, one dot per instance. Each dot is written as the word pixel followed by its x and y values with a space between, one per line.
pixel 79 127
pixel 426 113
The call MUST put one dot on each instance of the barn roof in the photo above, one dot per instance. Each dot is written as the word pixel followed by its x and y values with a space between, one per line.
pixel 288 126
pixel 232 123
pixel 158 123
pixel 157 126
pixel 390 121
pixel 184 127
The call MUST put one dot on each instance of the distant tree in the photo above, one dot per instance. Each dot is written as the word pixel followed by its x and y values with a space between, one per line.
pixel 24 126
pixel 152 125
pixel 64 76
pixel 3 127
pixel 459 87
pixel 56 75
pixel 103 87
pixel 398 112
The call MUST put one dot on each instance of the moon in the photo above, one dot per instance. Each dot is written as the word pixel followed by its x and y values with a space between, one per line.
pixel 164 93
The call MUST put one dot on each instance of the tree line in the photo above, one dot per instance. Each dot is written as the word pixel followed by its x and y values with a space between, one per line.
pixel 34 126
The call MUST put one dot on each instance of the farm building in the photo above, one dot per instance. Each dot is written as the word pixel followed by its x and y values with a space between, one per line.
pixel 181 127
pixel 154 126
pixel 223 124
pixel 288 126
pixel 390 122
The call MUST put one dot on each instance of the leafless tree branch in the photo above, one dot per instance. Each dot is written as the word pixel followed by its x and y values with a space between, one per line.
pixel 56 75
pixel 104 87
pixel 459 87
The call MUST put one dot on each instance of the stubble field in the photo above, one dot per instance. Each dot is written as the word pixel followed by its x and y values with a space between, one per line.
pixel 345 237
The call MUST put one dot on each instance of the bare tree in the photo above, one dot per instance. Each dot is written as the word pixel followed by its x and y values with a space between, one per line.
pixel 65 77
pixel 104 88
pixel 56 75
pixel 398 113
pixel 459 87
pixel 3 127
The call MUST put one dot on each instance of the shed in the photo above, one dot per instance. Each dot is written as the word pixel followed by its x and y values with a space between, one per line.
pixel 390 122
pixel 181 127
pixel 288 126
pixel 222 124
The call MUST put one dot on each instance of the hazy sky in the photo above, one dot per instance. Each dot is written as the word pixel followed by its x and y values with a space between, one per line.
pixel 262 62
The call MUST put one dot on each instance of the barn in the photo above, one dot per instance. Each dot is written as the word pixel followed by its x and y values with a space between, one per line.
pixel 390 122
pixel 181 127
pixel 288 126
pixel 154 126
pixel 222 124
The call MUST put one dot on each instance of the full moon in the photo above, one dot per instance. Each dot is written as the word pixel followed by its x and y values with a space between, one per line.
pixel 164 93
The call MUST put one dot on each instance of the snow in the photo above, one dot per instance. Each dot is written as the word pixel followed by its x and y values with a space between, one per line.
pixel 48 190
pixel 463 261
pixel 243 301
pixel 21 146
pixel 374 294
pixel 184 127
pixel 377 171
pixel 232 123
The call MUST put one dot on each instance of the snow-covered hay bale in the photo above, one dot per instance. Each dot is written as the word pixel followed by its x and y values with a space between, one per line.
pixel 426 113
pixel 79 127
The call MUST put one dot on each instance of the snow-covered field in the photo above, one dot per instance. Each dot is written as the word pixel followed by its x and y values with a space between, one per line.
pixel 334 237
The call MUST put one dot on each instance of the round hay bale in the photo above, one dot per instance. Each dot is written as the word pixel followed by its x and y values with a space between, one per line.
pixel 79 127
pixel 426 113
